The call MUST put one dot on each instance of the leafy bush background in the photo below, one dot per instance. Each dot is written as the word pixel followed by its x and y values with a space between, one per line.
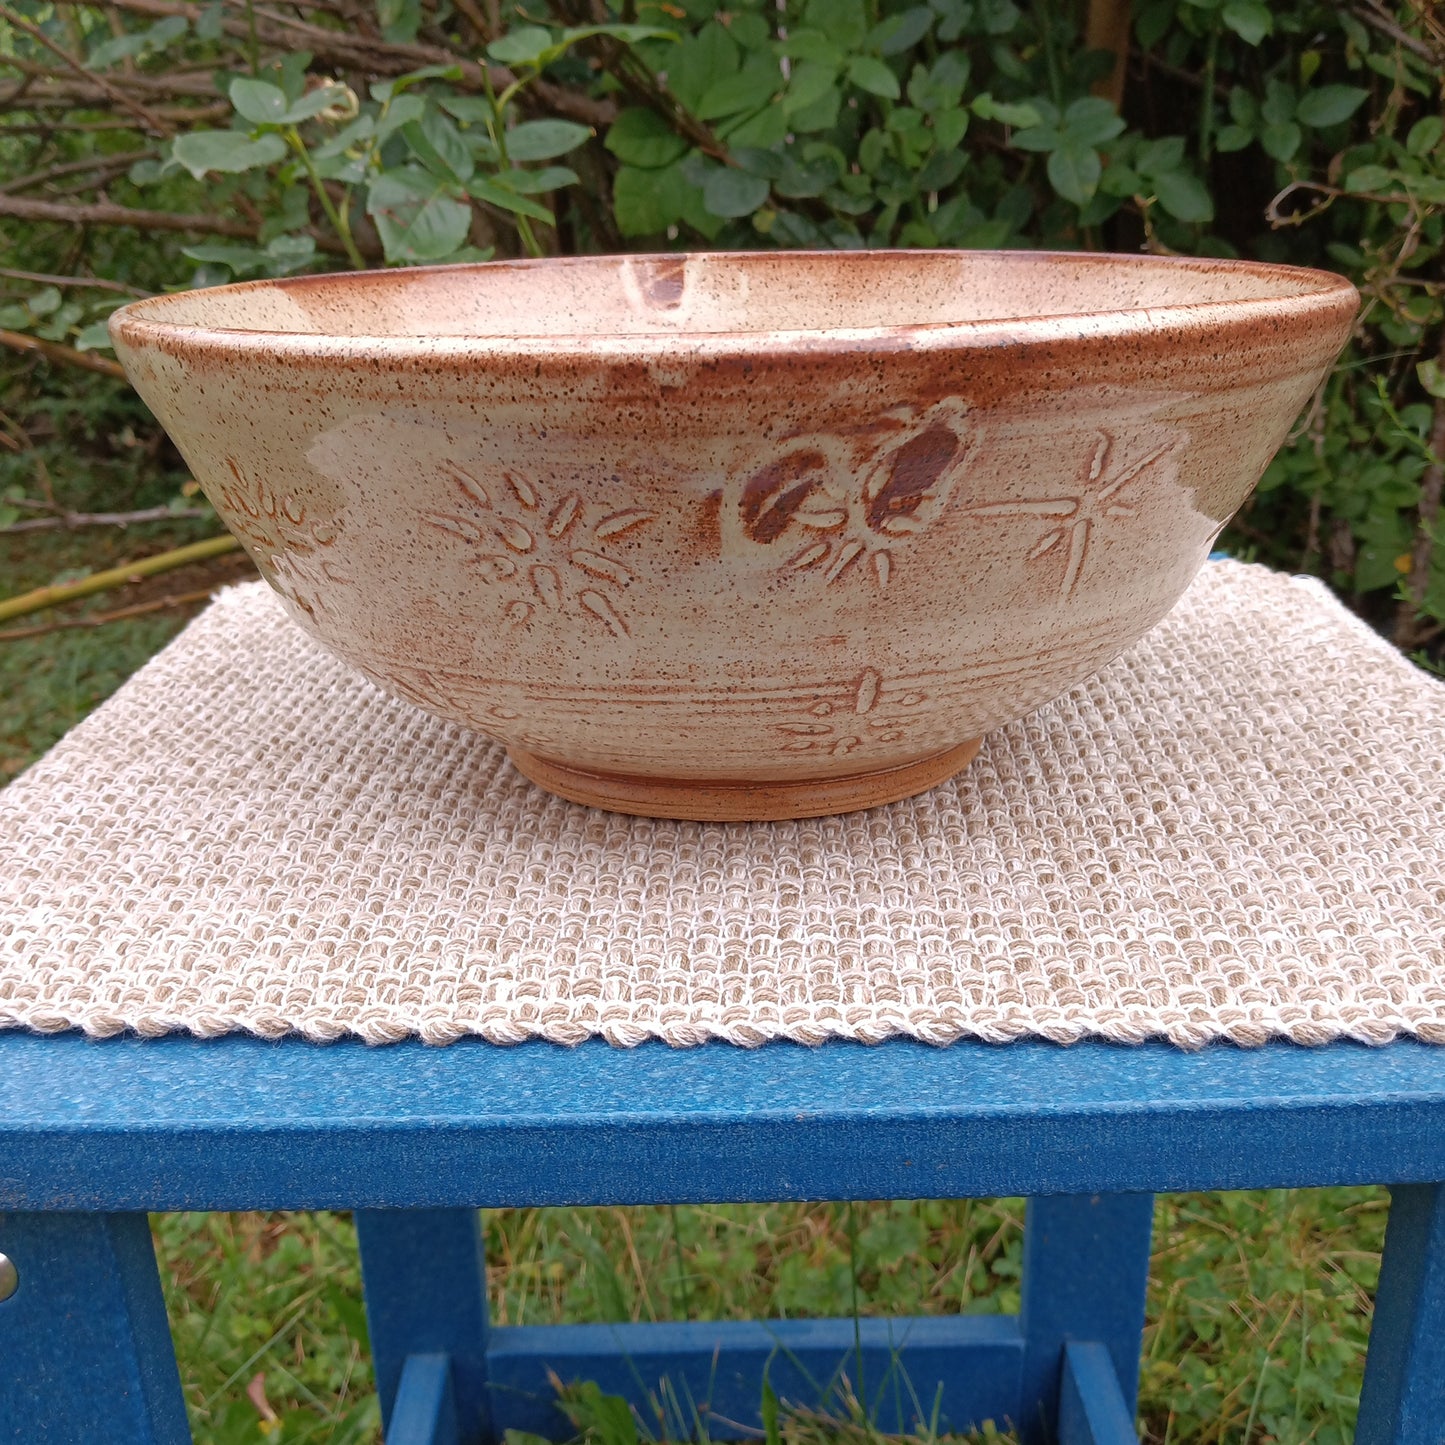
pixel 158 144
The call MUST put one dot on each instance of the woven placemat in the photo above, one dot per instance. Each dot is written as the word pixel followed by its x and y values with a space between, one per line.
pixel 1236 831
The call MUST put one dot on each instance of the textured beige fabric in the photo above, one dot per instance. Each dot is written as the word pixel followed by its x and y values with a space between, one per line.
pixel 1237 830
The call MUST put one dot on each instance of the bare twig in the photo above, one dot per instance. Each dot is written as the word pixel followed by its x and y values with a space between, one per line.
pixel 480 23
pixel 73 521
pixel 56 351
pixel 117 95
pixel 380 57
pixel 43 597
pixel 99 619
pixel 184 115
pixel 118 159
pixel 103 213
pixel 1376 19
pixel 636 77
pixel 48 83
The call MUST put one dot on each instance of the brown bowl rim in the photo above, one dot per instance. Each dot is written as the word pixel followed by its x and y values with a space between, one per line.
pixel 132 325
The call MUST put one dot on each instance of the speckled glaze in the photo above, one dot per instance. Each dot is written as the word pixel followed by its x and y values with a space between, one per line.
pixel 737 536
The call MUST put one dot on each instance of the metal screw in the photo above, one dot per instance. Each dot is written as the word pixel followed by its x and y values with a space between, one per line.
pixel 9 1277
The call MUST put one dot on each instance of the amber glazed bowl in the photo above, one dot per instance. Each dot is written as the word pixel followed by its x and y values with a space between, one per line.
pixel 748 536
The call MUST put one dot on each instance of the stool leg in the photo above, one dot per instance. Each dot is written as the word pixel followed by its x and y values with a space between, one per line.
pixel 424 1272
pixel 1403 1399
pixel 1086 1266
pixel 85 1348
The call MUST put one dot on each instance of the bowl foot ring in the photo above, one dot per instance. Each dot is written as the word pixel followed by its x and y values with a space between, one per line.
pixel 719 801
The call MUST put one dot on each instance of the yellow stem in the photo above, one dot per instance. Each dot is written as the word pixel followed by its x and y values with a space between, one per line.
pixel 43 597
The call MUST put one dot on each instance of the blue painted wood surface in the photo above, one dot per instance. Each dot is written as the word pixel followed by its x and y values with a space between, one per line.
pixel 1086 1268
pixel 1403 1400
pixel 238 1123
pixel 85 1352
pixel 678 1373
pixel 424 1412
pixel 425 1283
pixel 1092 1410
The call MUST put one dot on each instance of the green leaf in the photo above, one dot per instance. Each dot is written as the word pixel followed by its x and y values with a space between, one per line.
pixel 495 193
pixel 901 32
pixel 1037 138
pixel 756 161
pixel 1092 120
pixel 1160 156
pixel 445 155
pixel 1243 107
pixel 526 45
pixel 1430 189
pixel 1279 102
pixel 754 85
pixel 1425 135
pixel 1120 180
pixel 313 103
pixel 998 16
pixel 96 337
pixel 810 178
pixel 402 111
pixel 643 201
pixel 1232 138
pixel 1329 104
pixel 843 21
pixel 229 151
pixel 809 82
pixel 941 170
pixel 731 192
pixel 417 215
pixel 1185 197
pixel 1021 116
pixel 949 128
pixel 536 183
pixel 238 259
pixel 387 89
pixel 399 20
pixel 44 301
pixel 1249 19
pixel 1432 378
pixel 258 101
pixel 808 44
pixel 1074 170
pixel 821 115
pixel 628 34
pixel 750 30
pixel 872 150
pixel 285 254
pixel 1281 140
pixel 869 73
pixel 640 137
pixel 542 140
pixel 701 61
pixel 1368 178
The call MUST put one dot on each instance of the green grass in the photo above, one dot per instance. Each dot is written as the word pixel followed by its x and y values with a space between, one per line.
pixel 1259 1302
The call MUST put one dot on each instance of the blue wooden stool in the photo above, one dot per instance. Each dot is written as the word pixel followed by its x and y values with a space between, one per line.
pixel 416 1139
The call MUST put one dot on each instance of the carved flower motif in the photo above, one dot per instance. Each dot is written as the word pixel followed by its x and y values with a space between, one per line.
pixel 1072 519
pixel 286 542
pixel 552 556
pixel 836 511
pixel 865 715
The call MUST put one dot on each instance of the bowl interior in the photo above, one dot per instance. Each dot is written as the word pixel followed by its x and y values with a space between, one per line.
pixel 734 293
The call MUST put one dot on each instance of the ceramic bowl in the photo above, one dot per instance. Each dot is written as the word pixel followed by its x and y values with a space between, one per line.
pixel 739 536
